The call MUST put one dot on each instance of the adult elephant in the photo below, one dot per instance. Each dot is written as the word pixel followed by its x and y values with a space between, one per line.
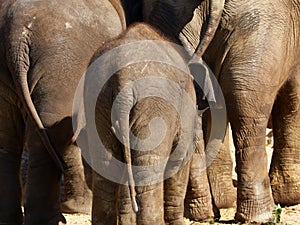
pixel 45 47
pixel 255 57
pixel 140 128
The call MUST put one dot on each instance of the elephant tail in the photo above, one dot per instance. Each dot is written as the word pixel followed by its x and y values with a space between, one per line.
pixel 131 182
pixel 120 124
pixel 215 10
pixel 20 67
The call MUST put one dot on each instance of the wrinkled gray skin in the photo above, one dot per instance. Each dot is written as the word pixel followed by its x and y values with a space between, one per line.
pixel 255 56
pixel 45 46
pixel 161 202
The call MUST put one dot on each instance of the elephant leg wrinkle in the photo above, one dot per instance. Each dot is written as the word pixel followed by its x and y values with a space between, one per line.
pixel 220 179
pixel 151 204
pixel 285 165
pixel 257 206
pixel 77 195
pixel 174 194
pixel 198 201
pixel 254 197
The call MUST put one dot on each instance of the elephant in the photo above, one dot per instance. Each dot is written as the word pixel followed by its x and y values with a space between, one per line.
pixel 140 118
pixel 45 47
pixel 254 55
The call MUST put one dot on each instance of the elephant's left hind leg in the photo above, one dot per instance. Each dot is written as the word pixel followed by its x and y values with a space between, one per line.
pixel 174 194
pixel 285 165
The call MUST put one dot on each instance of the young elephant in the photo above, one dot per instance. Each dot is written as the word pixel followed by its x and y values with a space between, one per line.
pixel 145 117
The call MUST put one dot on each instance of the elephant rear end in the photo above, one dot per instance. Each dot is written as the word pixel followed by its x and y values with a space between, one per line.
pixel 147 106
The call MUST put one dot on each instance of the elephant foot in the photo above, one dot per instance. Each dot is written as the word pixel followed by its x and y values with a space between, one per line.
pixel 260 219
pixel 199 209
pixel 176 222
pixel 225 197
pixel 286 187
pixel 256 207
pixel 77 205
pixel 220 179
pixel 222 186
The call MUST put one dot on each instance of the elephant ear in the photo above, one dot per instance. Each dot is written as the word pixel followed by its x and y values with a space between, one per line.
pixel 206 85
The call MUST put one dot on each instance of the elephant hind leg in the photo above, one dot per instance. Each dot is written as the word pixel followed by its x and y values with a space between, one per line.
pixel 105 198
pixel 174 193
pixel 220 177
pixel 42 196
pixel 11 145
pixel 150 199
pixel 285 165
pixel 126 213
pixel 249 123
pixel 77 195
pixel 198 201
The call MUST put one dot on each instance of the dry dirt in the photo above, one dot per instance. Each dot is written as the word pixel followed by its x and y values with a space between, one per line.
pixel 289 215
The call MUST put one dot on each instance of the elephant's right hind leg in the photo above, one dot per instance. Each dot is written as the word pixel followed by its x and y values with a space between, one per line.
pixel 285 165
pixel 11 145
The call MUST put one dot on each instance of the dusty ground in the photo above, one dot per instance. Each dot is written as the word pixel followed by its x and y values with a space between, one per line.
pixel 289 216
